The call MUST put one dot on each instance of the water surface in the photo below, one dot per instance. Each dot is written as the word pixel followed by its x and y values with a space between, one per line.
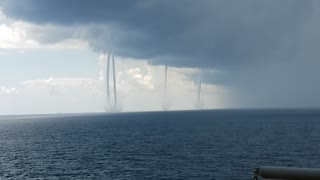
pixel 220 144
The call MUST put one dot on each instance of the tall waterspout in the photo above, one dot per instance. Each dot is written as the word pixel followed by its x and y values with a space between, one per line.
pixel 114 82
pixel 107 79
pixel 199 103
pixel 165 103
pixel 165 81
pixel 199 92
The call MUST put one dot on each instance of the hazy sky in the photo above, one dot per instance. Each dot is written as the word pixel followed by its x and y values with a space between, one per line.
pixel 247 53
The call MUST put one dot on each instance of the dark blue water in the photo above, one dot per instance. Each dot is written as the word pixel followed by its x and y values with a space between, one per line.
pixel 221 144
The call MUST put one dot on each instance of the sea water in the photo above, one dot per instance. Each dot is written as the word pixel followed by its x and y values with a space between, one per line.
pixel 217 144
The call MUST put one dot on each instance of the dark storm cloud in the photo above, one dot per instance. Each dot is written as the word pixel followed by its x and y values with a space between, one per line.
pixel 266 52
pixel 205 33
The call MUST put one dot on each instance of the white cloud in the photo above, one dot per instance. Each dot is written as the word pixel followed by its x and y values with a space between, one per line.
pixel 23 35
pixel 7 91
pixel 140 88
pixel 13 37
pixel 145 80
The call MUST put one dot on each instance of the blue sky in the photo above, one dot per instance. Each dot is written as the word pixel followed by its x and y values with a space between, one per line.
pixel 46 63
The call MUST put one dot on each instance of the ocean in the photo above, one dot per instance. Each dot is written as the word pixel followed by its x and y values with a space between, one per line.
pixel 211 144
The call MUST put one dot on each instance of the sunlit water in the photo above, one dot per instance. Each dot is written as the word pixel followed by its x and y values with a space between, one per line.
pixel 170 145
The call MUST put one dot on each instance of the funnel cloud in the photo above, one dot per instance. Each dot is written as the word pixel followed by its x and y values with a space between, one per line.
pixel 165 104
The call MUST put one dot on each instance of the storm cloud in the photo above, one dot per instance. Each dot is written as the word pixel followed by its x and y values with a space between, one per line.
pixel 265 52
pixel 181 33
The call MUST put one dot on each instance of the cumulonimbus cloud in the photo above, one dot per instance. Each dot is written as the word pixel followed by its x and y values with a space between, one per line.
pixel 265 51
pixel 181 33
